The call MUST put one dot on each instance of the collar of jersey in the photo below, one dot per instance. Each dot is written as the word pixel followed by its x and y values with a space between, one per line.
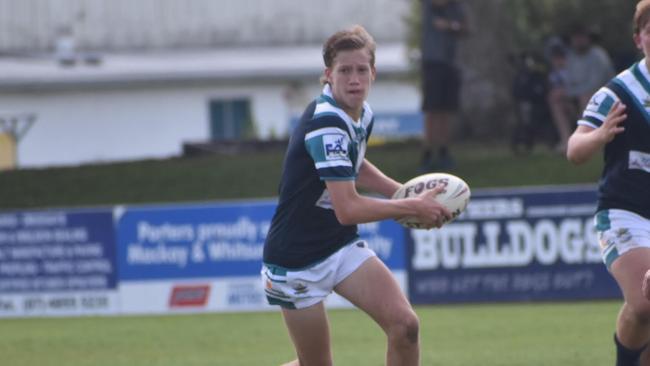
pixel 328 97
pixel 637 73
pixel 643 69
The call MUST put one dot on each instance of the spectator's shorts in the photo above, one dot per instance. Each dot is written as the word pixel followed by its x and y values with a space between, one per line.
pixel 620 231
pixel 304 287
pixel 440 87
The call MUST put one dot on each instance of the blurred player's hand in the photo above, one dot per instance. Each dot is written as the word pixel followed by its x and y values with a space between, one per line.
pixel 612 125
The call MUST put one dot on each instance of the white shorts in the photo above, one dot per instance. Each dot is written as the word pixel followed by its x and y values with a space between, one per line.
pixel 620 231
pixel 304 287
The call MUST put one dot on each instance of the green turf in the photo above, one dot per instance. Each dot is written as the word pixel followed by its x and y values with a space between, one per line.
pixel 256 175
pixel 489 335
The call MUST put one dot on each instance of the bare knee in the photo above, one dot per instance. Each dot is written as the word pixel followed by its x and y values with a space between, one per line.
pixel 405 328
pixel 639 313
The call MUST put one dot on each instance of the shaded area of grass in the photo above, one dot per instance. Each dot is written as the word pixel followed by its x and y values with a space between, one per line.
pixel 256 175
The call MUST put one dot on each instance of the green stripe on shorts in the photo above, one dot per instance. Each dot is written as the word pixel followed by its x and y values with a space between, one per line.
pixel 284 304
pixel 611 257
pixel 602 220
pixel 276 270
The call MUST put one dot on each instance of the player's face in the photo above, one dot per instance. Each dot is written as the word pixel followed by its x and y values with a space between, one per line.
pixel 350 77
pixel 642 39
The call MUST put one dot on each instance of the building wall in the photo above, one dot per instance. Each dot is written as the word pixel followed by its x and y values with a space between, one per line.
pixel 90 126
pixel 77 127
pixel 33 25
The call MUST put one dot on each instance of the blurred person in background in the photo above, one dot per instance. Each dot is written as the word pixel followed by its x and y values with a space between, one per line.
pixel 529 90
pixel 313 246
pixel 616 120
pixel 562 110
pixel 443 22
pixel 588 67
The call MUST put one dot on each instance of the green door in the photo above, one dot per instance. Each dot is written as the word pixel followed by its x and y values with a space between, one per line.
pixel 230 119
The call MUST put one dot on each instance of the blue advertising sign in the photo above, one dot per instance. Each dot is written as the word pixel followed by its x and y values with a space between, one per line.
pixel 214 240
pixel 516 244
pixel 398 125
pixel 56 250
pixel 386 238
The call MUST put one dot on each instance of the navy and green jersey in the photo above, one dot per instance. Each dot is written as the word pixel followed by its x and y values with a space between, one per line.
pixel 327 145
pixel 625 181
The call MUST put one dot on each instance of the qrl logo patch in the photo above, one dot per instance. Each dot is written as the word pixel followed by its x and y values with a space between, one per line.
pixel 336 146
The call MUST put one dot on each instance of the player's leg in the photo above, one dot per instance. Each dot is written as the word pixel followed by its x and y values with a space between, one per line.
pixel 373 289
pixel 625 241
pixel 301 294
pixel 645 288
pixel 633 324
pixel 309 331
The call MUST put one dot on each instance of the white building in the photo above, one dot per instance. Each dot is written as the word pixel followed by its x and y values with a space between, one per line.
pixel 134 107
pixel 148 95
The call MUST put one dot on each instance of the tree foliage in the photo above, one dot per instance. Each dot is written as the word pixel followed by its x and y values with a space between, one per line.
pixel 533 21
pixel 500 29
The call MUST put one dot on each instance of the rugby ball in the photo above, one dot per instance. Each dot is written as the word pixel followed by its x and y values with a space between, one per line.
pixel 454 197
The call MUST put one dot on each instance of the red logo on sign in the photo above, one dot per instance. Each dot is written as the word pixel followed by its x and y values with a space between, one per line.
pixel 183 296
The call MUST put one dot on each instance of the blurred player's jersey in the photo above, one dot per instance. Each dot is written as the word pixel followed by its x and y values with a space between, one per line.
pixel 326 145
pixel 625 182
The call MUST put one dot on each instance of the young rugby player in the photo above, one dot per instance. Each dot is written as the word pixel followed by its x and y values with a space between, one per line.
pixel 313 247
pixel 617 119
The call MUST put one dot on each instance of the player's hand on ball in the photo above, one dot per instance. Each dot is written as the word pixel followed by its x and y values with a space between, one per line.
pixel 450 193
pixel 432 213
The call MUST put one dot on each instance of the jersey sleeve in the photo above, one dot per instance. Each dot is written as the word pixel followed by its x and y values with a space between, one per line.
pixel 329 147
pixel 598 107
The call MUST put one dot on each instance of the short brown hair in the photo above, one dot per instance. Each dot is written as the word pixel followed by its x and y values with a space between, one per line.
pixel 354 38
pixel 641 15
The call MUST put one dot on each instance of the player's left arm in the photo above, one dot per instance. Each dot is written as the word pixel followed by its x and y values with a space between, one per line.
pixel 372 179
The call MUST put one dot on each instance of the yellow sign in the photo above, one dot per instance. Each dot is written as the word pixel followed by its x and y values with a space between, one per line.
pixel 7 151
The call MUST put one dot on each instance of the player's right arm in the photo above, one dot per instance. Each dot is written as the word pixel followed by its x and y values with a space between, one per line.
pixel 586 141
pixel 330 147
pixel 352 208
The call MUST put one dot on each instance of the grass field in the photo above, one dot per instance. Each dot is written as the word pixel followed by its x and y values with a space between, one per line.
pixel 488 335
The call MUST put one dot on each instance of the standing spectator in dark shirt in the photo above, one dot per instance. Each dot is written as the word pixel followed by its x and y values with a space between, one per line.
pixel 442 24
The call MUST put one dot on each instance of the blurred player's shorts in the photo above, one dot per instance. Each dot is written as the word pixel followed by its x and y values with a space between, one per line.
pixel 620 231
